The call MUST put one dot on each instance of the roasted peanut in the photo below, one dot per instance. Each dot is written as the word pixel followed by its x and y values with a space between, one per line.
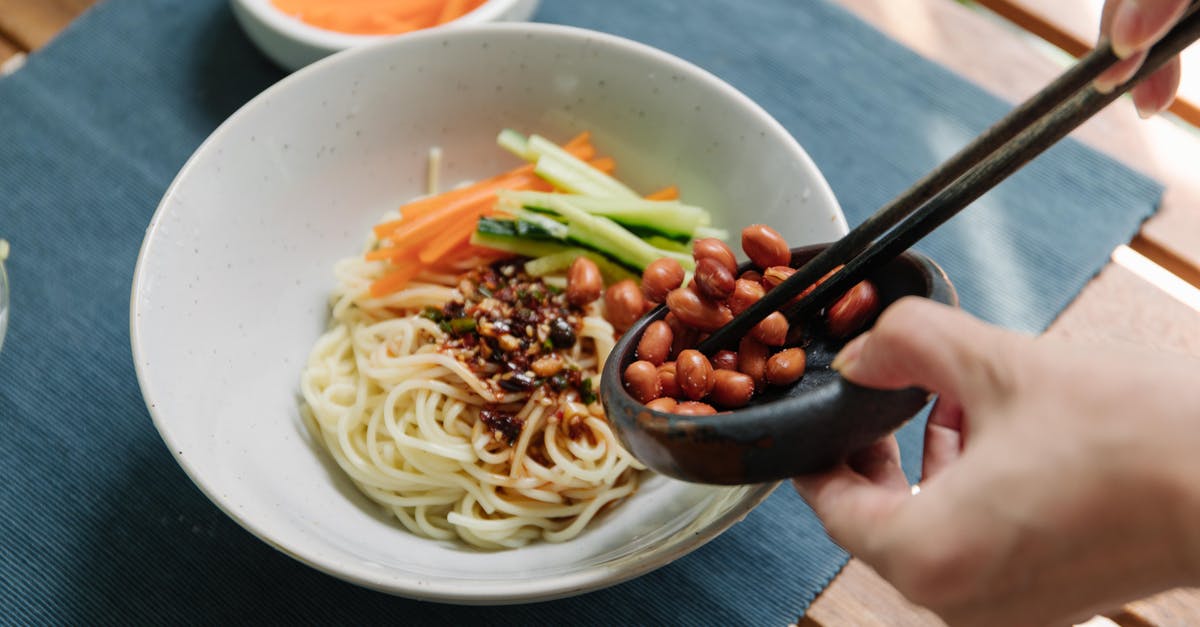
pixel 713 248
pixel 696 312
pixel 731 388
pixel 786 366
pixel 745 293
pixel 772 330
pixel 752 359
pixel 666 379
pixel 660 277
pixel 724 360
pixel 685 336
pixel 775 275
pixel 663 404
pixel 584 283
pixel 694 408
pixel 795 334
pixel 752 275
pixel 641 379
pixel 623 304
pixel 694 374
pixel 655 344
pixel 765 246
pixel 853 310
pixel 713 279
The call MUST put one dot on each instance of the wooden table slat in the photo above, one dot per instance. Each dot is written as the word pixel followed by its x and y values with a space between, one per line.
pixel 31 25
pixel 8 49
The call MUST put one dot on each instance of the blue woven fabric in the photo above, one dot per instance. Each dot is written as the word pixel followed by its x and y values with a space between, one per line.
pixel 97 522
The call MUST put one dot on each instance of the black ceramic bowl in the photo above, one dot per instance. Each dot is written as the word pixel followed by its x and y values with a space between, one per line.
pixel 785 432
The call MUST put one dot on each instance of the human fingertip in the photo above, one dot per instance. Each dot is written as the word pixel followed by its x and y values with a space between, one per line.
pixel 1137 25
pixel 1122 49
pixel 1157 93
pixel 1104 85
pixel 846 358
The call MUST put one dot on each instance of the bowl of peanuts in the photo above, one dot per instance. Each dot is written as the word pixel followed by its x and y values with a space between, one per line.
pixel 773 408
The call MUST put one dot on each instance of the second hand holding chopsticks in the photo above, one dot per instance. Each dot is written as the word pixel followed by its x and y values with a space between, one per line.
pixel 1023 134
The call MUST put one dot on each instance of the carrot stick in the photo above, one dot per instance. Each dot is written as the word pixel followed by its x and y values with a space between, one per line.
pixel 582 139
pixel 394 280
pixel 424 229
pixel 669 192
pixel 578 146
pixel 448 242
pixel 604 164
pixel 392 254
pixel 429 204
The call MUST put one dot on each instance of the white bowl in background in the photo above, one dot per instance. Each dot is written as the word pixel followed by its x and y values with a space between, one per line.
pixel 232 283
pixel 294 44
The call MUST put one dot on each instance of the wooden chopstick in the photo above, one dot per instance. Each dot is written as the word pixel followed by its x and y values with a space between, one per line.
pixel 1023 134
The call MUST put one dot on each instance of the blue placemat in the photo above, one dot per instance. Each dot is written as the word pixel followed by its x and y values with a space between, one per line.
pixel 97 522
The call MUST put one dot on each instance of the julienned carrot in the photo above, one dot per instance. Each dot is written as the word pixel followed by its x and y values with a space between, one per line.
pixel 394 255
pixel 448 241
pixel 584 138
pixel 414 234
pixel 669 192
pixel 580 146
pixel 430 204
pixel 395 279
pixel 604 164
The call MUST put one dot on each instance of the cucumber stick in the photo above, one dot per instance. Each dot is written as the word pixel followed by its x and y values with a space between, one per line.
pixel 604 235
pixel 562 169
pixel 578 172
pixel 559 262
pixel 516 143
pixel 670 218
pixel 517 245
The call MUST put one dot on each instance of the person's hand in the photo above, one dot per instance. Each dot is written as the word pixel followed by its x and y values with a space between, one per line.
pixel 1058 482
pixel 1132 27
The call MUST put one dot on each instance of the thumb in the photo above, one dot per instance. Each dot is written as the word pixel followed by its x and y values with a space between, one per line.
pixel 920 343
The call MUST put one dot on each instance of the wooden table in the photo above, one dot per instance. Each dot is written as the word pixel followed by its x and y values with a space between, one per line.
pixel 1147 295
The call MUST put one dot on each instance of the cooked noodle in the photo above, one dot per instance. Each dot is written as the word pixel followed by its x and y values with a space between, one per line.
pixel 401 415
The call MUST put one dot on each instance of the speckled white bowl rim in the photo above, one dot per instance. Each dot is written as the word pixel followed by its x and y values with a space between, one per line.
pixel 453 591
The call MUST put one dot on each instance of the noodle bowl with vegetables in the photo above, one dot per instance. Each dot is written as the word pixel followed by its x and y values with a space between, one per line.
pixel 456 383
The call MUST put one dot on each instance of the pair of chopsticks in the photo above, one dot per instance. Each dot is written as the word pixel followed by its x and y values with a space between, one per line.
pixel 1023 134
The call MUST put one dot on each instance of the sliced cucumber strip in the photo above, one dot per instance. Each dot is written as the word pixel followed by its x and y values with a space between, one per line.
pixel 555 163
pixel 518 245
pixel 559 262
pixel 515 143
pixel 669 218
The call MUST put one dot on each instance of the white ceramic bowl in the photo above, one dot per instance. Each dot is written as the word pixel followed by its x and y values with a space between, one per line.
pixel 232 282
pixel 294 44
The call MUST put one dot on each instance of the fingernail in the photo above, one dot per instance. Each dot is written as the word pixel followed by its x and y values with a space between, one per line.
pixel 1146 112
pixel 1118 74
pixel 848 356
pixel 1137 24
pixel 1104 85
